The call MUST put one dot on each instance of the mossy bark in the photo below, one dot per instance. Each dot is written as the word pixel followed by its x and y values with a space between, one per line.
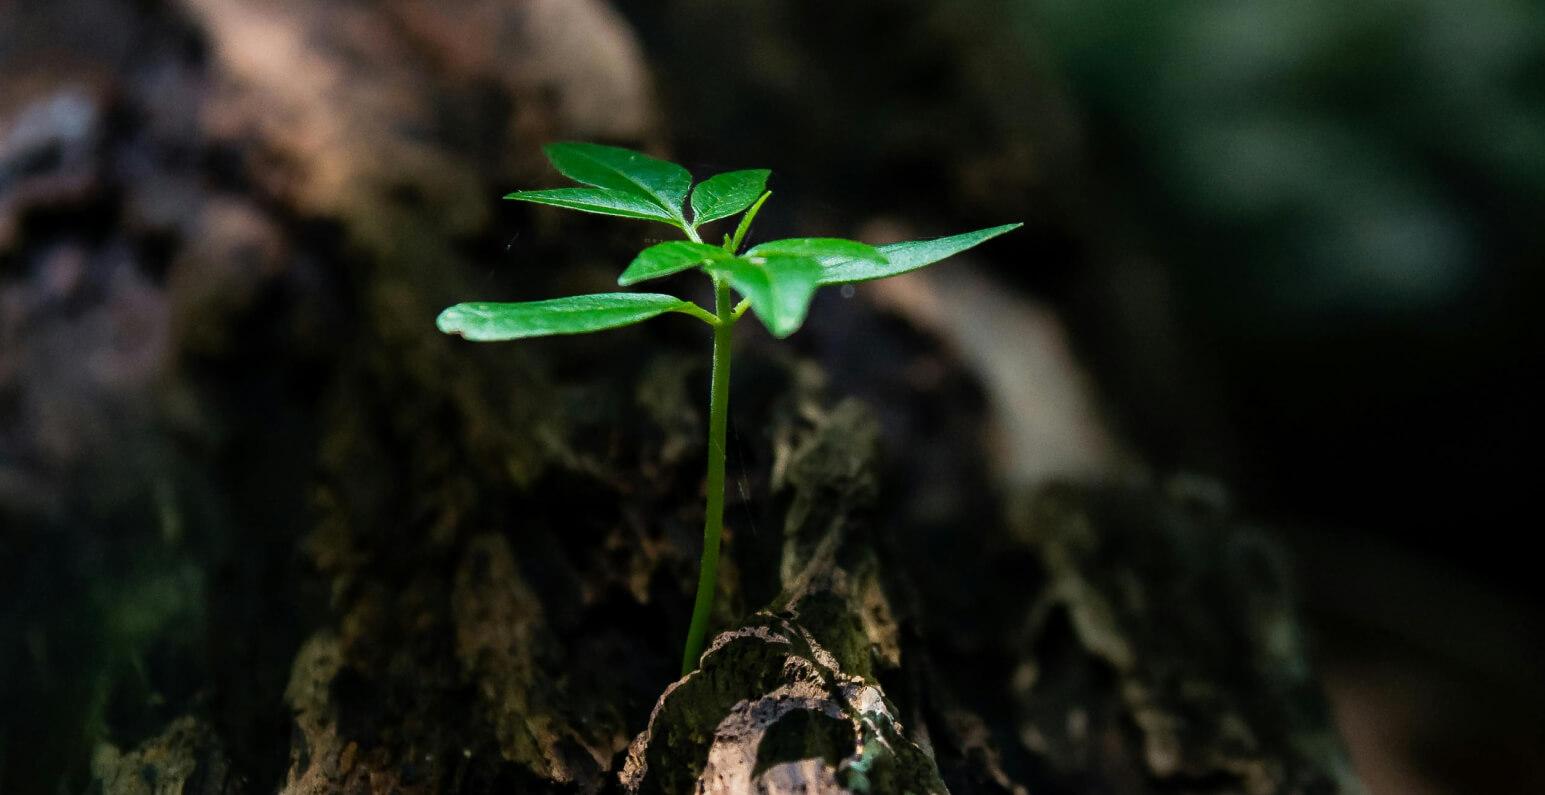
pixel 473 565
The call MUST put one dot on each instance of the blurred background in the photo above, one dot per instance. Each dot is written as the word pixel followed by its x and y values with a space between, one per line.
pixel 1287 253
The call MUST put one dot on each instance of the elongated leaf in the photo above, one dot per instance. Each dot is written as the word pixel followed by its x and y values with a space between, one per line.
pixel 910 256
pixel 490 322
pixel 664 259
pixel 733 243
pixel 597 200
pixel 723 195
pixel 623 170
pixel 829 250
pixel 779 286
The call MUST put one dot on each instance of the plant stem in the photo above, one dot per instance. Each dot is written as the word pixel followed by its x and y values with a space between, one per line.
pixel 713 519
pixel 691 308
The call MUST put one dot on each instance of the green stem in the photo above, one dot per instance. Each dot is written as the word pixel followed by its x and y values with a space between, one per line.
pixel 713 519
pixel 690 308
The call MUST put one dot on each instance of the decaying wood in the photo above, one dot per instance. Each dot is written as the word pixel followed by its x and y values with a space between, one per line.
pixel 185 759
pixel 789 701
pixel 1164 650
pixel 507 536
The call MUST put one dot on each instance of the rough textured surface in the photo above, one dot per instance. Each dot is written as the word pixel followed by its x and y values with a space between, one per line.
pixel 770 710
pixel 789 701
pixel 328 550
pixel 186 759
pixel 1164 650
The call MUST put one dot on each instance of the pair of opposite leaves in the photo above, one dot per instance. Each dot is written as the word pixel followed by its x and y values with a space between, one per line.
pixel 779 277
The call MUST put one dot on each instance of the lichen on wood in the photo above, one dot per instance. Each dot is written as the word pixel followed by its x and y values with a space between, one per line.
pixel 788 701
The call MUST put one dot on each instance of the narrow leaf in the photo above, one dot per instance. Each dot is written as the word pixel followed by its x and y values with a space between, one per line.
pixel 624 170
pixel 829 250
pixel 664 259
pixel 723 195
pixel 779 286
pixel 490 322
pixel 597 200
pixel 904 257
pixel 745 223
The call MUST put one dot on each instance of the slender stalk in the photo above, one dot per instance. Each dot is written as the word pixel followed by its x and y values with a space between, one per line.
pixel 713 519
pixel 691 308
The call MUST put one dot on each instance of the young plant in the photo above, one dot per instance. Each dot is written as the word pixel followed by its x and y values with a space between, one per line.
pixel 776 280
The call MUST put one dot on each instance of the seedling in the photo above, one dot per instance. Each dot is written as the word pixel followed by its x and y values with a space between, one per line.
pixel 776 280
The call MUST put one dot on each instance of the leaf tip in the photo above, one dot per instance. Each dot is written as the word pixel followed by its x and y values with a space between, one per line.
pixel 786 327
pixel 449 321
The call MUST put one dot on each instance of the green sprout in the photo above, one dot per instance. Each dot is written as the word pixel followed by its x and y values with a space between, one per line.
pixel 776 280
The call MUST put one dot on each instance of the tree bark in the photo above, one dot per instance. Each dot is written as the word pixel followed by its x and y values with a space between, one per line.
pixel 504 538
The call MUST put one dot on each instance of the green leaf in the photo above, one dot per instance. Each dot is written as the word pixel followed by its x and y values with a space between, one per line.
pixel 745 222
pixel 723 195
pixel 491 322
pixel 828 250
pixel 597 200
pixel 664 259
pixel 625 171
pixel 904 257
pixel 780 287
